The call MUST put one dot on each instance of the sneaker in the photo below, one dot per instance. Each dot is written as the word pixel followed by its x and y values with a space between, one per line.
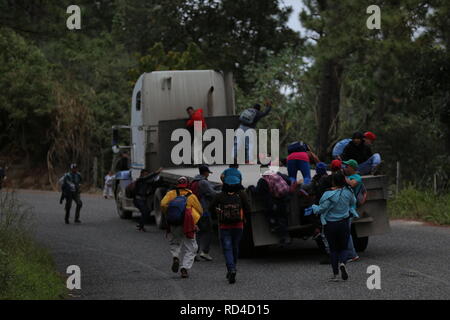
pixel 175 265
pixel 140 228
pixel 232 277
pixel 353 259
pixel 344 273
pixel 334 278
pixel 197 258
pixel 184 273
pixel 206 256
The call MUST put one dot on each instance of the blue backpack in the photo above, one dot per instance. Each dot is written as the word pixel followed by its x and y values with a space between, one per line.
pixel 175 211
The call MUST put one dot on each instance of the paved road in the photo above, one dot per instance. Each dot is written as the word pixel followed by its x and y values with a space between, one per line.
pixel 117 262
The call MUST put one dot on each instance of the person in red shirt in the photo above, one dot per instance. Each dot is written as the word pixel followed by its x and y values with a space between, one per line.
pixel 195 115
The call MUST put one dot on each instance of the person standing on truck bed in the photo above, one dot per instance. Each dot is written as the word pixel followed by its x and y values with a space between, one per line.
pixel 336 207
pixel 195 115
pixel 71 183
pixel 248 119
pixel 205 192
pixel 231 209
pixel 143 188
pixel 182 234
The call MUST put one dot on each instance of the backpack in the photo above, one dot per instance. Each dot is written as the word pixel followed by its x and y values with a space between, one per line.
pixel 361 197
pixel 175 211
pixel 248 116
pixel 277 185
pixel 130 190
pixel 231 210
pixel 193 186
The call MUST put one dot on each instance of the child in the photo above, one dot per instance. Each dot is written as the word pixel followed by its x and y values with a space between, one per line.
pixel 107 190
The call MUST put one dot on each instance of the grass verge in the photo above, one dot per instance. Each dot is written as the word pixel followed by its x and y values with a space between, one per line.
pixel 424 205
pixel 27 271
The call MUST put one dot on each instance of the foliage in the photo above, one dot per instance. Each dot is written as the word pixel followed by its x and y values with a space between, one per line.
pixel 26 270
pixel 421 204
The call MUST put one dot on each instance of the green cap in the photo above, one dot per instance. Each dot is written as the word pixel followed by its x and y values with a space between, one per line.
pixel 352 163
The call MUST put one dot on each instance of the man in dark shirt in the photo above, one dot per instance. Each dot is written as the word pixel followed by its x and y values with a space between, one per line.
pixel 144 186
pixel 71 188
pixel 357 149
pixel 124 162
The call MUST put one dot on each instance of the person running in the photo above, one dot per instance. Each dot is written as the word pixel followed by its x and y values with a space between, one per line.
pixel 231 209
pixel 107 189
pixel 181 233
pixel 248 119
pixel 71 183
pixel 335 209
pixel 205 192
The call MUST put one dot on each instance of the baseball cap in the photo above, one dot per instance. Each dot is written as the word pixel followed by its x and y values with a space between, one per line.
pixel 336 164
pixel 321 168
pixel 370 135
pixel 352 163
pixel 204 168
pixel 182 182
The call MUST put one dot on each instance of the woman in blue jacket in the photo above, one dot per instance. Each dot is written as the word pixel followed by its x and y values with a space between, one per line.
pixel 335 208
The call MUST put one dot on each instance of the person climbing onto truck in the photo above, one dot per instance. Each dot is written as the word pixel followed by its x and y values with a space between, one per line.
pixel 248 119
pixel 335 209
pixel 194 116
pixel 71 183
pixel 299 158
pixel 359 150
pixel 182 210
pixel 274 192
pixel 231 209
pixel 143 187
pixel 354 180
pixel 205 192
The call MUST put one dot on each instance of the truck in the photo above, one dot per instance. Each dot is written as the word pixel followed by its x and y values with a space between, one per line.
pixel 158 108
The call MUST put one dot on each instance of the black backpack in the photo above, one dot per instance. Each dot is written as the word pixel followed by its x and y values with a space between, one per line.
pixel 231 209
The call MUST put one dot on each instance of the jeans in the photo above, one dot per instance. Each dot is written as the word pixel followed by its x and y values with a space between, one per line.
pixel 239 140
pixel 337 234
pixel 293 166
pixel 204 235
pixel 144 209
pixel 75 196
pixel 351 252
pixel 365 167
pixel 230 239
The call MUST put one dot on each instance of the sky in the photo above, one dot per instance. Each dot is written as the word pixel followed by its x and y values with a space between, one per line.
pixel 296 5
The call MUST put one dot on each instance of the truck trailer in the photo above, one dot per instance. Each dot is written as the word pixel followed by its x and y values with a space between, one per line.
pixel 158 108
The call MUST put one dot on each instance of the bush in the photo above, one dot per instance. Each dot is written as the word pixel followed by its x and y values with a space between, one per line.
pixel 413 203
pixel 26 270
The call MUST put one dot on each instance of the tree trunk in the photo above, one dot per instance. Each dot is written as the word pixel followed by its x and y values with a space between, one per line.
pixel 328 107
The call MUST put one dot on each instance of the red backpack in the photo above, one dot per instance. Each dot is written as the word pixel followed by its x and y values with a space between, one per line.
pixel 193 186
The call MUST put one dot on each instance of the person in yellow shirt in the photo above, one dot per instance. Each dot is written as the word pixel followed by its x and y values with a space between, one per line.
pixel 177 236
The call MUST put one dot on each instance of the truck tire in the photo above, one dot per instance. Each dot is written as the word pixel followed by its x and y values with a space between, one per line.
pixel 361 243
pixel 157 213
pixel 123 214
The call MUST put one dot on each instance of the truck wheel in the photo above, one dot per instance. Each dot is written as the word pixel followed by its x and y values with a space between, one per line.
pixel 157 213
pixel 123 214
pixel 360 244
